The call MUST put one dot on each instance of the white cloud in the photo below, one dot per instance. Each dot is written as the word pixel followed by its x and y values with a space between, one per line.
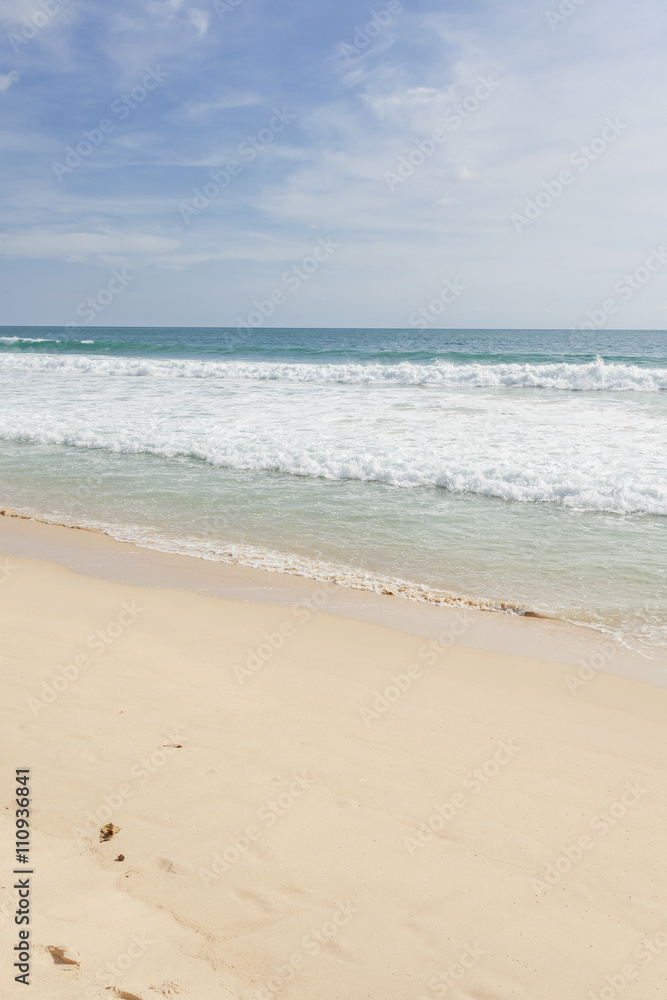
pixel 326 174
pixel 82 246
pixel 200 19
pixel 386 104
pixel 7 79
pixel 227 101
pixel 165 8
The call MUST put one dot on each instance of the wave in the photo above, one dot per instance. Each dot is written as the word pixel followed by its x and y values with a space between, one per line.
pixel 18 341
pixel 531 478
pixel 12 341
pixel 589 377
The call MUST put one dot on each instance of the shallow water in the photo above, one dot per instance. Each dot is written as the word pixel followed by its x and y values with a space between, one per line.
pixel 513 468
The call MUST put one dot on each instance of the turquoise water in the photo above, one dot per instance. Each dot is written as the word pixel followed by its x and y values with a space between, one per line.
pixel 510 468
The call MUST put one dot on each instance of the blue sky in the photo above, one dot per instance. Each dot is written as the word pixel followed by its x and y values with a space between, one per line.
pixel 421 142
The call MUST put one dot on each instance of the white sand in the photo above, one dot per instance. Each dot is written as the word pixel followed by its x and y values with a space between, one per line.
pixel 277 852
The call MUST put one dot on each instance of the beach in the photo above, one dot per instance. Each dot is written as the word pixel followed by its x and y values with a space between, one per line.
pixel 313 802
pixel 333 501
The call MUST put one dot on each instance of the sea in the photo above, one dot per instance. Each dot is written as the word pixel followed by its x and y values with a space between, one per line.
pixel 512 470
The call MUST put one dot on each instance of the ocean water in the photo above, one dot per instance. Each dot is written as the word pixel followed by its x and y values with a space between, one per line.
pixel 514 470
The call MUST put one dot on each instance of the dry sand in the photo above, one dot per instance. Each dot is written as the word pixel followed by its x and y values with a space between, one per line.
pixel 318 808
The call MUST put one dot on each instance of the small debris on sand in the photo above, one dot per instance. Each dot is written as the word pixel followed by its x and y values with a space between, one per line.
pixel 108 831
pixel 63 955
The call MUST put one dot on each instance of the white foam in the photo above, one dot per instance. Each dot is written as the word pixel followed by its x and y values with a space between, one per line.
pixel 590 377
pixel 28 340
pixel 586 450
pixel 581 451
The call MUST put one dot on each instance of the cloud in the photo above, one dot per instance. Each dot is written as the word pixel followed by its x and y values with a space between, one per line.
pixel 359 116
pixel 385 105
pixel 200 19
pixel 82 246
pixel 7 79
pixel 228 101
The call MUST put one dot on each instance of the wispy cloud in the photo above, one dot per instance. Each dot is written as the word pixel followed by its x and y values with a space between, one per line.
pixel 359 115
pixel 223 103
pixel 81 246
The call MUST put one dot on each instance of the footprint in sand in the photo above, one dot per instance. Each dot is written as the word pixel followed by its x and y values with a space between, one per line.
pixel 172 866
pixel 169 989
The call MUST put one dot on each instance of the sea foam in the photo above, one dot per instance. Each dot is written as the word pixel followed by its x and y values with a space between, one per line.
pixel 589 377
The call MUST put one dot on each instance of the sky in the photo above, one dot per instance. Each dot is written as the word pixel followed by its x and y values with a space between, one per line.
pixel 323 163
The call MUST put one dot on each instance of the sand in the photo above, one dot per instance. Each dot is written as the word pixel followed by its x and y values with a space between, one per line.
pixel 315 807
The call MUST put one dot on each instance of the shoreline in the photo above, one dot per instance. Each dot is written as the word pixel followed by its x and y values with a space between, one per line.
pixel 93 552
pixel 316 570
